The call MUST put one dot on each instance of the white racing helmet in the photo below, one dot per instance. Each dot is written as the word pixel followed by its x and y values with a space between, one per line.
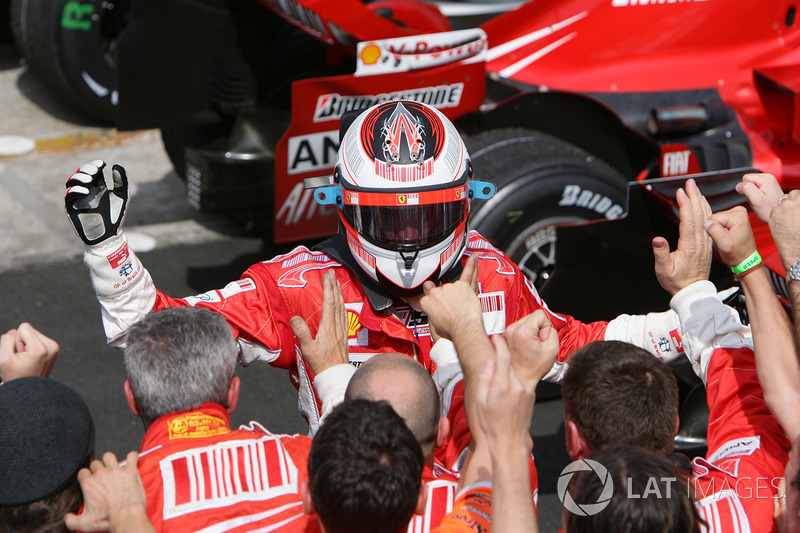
pixel 402 183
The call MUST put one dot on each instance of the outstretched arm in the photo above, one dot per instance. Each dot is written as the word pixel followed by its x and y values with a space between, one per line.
pixel 455 312
pixel 774 336
pixel 690 262
pixel 499 394
pixel 720 348
pixel 784 225
pixel 505 407
pixel 122 285
pixel 684 274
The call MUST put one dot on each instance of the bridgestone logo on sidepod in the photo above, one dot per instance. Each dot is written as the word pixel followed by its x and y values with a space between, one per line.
pixel 585 509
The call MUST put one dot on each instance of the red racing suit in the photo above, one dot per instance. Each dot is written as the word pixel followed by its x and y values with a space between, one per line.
pixel 260 304
pixel 735 485
pixel 201 476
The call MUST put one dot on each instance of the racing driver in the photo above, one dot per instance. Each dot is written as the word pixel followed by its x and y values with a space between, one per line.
pixel 402 186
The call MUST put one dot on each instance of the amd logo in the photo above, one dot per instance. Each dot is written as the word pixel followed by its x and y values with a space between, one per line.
pixel 313 152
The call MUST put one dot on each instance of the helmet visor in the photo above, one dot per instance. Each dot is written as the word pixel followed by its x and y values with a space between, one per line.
pixel 408 226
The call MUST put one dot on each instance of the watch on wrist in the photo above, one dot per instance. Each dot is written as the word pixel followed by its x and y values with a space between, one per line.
pixel 793 274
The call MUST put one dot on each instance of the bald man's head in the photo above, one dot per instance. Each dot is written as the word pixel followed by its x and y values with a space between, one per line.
pixel 406 385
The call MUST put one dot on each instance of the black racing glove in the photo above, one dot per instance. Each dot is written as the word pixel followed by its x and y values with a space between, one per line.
pixel 95 212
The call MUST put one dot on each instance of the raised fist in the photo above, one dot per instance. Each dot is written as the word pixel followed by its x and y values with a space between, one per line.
pixel 95 212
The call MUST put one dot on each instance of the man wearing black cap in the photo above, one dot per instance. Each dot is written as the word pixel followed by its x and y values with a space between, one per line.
pixel 46 436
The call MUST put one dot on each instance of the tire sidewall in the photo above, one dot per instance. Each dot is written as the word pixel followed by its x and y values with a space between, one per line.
pixel 91 74
pixel 63 43
pixel 542 182
pixel 563 191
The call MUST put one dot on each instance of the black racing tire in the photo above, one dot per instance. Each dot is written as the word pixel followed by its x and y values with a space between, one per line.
pixel 70 45
pixel 541 182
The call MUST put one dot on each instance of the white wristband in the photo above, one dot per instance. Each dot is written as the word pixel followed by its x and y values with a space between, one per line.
pixel 331 385
pixel 113 266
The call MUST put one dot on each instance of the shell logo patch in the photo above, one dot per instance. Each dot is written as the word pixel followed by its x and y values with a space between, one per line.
pixel 353 324
pixel 357 334
pixel 370 54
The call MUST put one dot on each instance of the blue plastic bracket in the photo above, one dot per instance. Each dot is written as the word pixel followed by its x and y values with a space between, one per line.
pixel 482 190
pixel 329 196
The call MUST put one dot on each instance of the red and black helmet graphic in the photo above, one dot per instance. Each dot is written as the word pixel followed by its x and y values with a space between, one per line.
pixel 402 133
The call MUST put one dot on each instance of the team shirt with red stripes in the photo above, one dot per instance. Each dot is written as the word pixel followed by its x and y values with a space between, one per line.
pixel 200 476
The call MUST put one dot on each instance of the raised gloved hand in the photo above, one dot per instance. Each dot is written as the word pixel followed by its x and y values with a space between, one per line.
pixel 95 212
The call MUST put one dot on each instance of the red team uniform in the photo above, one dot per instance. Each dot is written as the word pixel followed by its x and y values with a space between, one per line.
pixel 735 485
pixel 199 475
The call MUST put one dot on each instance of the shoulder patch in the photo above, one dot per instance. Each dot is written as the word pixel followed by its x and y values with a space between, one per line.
pixel 301 263
pixel 217 295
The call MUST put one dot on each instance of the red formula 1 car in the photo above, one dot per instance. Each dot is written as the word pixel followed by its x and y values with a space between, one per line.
pixel 579 111
pixel 565 104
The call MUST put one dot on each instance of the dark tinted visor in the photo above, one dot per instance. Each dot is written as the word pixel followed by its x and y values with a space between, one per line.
pixel 399 227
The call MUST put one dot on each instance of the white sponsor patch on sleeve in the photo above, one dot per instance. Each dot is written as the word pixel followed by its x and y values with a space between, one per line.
pixel 743 446
pixel 215 296
pixel 493 305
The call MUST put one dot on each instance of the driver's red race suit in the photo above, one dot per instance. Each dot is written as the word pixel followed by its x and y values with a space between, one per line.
pixel 260 304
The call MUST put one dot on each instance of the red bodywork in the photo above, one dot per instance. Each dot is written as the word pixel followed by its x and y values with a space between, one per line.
pixel 742 49
pixel 748 52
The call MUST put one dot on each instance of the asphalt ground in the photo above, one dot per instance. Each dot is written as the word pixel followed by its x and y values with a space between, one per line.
pixel 43 280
